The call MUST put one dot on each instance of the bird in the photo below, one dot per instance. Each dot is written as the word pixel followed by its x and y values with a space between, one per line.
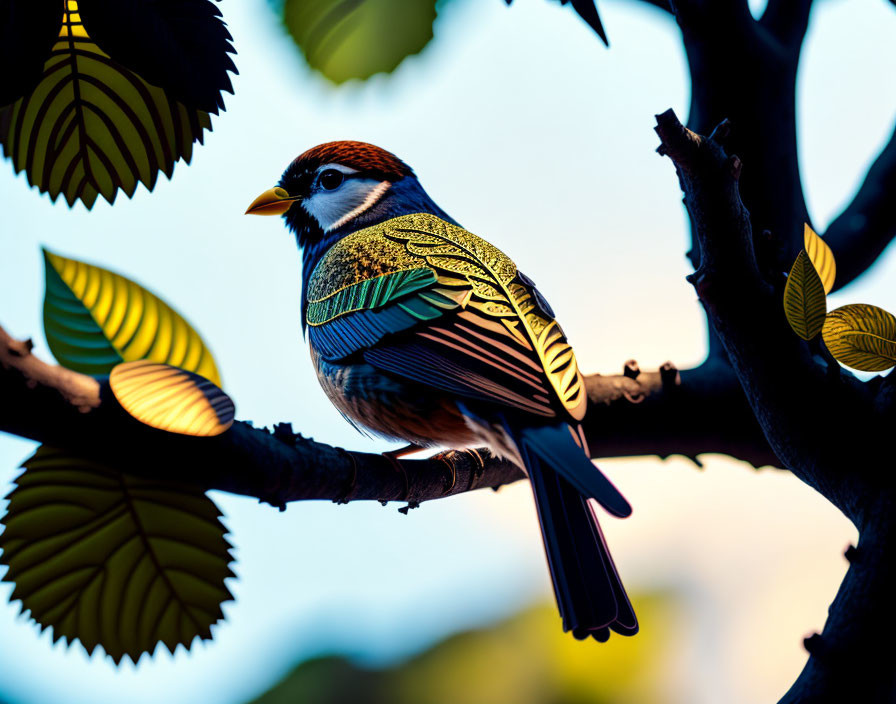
pixel 422 332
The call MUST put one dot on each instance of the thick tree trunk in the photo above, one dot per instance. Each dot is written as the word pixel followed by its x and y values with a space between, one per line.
pixel 831 430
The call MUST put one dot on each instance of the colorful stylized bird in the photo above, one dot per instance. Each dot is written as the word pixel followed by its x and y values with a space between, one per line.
pixel 422 332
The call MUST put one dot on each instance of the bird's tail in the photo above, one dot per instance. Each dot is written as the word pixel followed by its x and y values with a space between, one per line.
pixel 590 595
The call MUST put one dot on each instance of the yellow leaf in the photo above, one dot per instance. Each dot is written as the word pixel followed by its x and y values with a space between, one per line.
pixel 861 336
pixel 95 319
pixel 804 300
pixel 171 399
pixel 111 559
pixel 822 257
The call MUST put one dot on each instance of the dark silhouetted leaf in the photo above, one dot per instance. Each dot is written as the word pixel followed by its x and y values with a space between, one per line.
pixel 804 300
pixel 91 127
pixel 587 10
pixel 94 320
pixel 821 256
pixel 28 31
pixel 171 399
pixel 345 39
pixel 111 559
pixel 182 46
pixel 861 336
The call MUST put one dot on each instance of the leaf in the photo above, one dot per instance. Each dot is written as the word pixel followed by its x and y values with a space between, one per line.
pixel 822 257
pixel 345 39
pixel 171 399
pixel 179 45
pixel 804 301
pixel 28 31
pixel 92 127
pixel 95 319
pixel 114 560
pixel 861 336
pixel 587 10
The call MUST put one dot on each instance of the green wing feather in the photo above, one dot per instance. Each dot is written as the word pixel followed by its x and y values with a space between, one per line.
pixel 371 293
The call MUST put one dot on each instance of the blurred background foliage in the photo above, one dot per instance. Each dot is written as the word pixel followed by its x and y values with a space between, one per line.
pixel 525 659
pixel 345 40
pixel 356 39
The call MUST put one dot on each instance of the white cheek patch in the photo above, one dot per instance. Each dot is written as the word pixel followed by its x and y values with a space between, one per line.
pixel 334 209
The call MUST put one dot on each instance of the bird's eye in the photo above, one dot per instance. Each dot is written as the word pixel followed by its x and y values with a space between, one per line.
pixel 331 179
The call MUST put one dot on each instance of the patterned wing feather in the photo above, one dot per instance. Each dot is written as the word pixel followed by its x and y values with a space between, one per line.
pixel 469 322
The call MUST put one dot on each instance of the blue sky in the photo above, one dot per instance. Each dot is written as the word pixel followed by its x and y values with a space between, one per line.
pixel 532 135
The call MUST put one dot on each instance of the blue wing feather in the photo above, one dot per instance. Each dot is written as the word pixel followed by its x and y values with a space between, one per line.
pixel 344 336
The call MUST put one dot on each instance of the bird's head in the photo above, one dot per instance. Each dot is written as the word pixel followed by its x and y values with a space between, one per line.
pixel 340 187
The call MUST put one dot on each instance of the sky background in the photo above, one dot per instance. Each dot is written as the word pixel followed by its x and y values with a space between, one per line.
pixel 531 134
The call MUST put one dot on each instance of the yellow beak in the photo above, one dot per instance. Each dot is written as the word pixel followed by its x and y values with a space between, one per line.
pixel 274 201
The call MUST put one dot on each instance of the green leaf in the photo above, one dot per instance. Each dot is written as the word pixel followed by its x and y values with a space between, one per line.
pixel 345 39
pixel 114 560
pixel 92 127
pixel 861 336
pixel 822 257
pixel 171 399
pixel 94 319
pixel 804 300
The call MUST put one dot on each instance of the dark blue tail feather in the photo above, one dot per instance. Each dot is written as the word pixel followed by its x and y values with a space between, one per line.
pixel 590 595
pixel 555 446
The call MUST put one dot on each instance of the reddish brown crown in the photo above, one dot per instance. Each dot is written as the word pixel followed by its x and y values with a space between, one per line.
pixel 364 157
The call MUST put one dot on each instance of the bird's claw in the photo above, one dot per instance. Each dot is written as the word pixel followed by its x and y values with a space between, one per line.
pixel 350 485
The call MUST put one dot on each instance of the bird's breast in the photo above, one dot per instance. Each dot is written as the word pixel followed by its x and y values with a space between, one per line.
pixel 380 404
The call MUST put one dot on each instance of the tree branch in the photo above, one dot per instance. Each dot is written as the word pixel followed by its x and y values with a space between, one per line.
pixel 662 413
pixel 741 71
pixel 787 20
pixel 860 234
pixel 826 426
pixel 66 409
pixel 661 4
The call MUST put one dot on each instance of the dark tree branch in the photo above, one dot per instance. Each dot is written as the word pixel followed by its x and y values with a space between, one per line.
pixel 863 230
pixel 660 413
pixel 741 71
pixel 70 410
pixel 826 426
pixel 787 20
pixel 698 16
pixel 661 4
pixel 745 71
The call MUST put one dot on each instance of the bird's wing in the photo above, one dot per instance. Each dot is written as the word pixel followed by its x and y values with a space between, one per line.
pixel 421 298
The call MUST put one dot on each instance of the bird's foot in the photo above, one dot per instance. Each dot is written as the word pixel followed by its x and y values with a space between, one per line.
pixel 448 457
pixel 350 484
pixel 393 455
